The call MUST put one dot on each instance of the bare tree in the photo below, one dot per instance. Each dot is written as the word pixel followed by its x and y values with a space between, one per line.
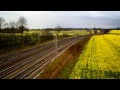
pixel 1 22
pixel 6 26
pixel 12 26
pixel 22 22
pixel 17 25
pixel 95 30
pixel 58 28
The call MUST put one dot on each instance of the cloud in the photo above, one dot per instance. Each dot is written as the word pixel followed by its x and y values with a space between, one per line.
pixel 44 19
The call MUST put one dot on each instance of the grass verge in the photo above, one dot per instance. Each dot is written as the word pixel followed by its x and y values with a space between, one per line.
pixel 62 66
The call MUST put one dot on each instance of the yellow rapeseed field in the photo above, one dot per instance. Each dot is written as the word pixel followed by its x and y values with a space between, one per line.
pixel 68 32
pixel 100 59
pixel 115 32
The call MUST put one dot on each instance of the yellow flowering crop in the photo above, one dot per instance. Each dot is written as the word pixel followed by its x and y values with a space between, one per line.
pixel 114 32
pixel 100 59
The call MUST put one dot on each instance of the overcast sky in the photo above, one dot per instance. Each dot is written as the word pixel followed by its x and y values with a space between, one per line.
pixel 67 19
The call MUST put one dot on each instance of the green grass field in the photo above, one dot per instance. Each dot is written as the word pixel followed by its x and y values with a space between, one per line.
pixel 100 59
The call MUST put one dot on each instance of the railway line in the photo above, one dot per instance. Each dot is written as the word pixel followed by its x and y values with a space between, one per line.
pixel 13 58
pixel 29 62
pixel 27 52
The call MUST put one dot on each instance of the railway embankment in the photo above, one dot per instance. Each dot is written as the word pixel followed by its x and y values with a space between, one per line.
pixel 61 67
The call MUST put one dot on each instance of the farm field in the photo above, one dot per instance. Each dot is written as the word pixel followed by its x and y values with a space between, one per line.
pixel 114 32
pixel 100 59
pixel 68 32
pixel 59 45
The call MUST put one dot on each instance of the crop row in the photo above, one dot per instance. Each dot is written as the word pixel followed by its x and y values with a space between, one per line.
pixel 99 59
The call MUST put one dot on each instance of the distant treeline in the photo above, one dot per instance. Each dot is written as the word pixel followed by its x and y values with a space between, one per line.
pixel 15 30
pixel 81 28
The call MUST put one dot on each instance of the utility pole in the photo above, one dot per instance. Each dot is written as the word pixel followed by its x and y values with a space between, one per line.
pixel 75 34
pixel 38 36
pixel 84 33
pixel 62 33
pixel 58 28
pixel 55 41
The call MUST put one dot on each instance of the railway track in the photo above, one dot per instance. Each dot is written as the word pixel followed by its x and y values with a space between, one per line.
pixel 28 51
pixel 36 62
pixel 13 58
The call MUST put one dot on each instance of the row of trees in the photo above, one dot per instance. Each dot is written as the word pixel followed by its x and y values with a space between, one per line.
pixel 12 27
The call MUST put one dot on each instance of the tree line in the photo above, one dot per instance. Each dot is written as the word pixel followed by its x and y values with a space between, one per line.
pixel 13 27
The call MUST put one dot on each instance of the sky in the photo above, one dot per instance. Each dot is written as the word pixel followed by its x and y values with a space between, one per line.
pixel 66 19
